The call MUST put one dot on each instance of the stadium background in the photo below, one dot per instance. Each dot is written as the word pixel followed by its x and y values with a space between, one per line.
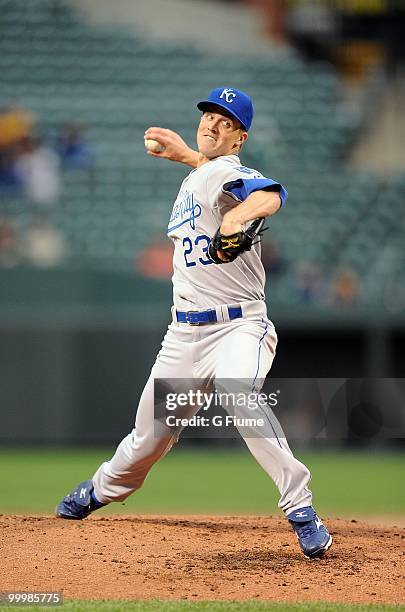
pixel 85 267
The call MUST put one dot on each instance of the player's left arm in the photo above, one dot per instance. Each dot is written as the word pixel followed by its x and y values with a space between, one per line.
pixel 259 204
pixel 242 224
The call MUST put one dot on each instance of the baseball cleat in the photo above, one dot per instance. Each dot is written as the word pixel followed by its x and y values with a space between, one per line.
pixel 78 504
pixel 313 537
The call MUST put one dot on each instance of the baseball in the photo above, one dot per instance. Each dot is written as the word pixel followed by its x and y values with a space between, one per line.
pixel 154 145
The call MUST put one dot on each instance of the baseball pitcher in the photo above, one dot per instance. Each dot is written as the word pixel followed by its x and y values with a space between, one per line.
pixel 220 330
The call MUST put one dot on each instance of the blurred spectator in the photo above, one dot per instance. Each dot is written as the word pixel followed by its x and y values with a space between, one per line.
pixel 313 28
pixel 309 281
pixel 8 177
pixel 72 147
pixel 345 288
pixel 156 260
pixel 273 18
pixel 15 124
pixel 38 169
pixel 44 246
pixel 9 252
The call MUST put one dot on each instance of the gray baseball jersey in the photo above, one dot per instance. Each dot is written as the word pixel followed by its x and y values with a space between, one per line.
pixel 205 195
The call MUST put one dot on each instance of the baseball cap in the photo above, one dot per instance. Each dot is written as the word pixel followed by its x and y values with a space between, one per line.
pixel 235 102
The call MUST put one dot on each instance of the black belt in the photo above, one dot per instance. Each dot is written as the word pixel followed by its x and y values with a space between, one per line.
pixel 193 317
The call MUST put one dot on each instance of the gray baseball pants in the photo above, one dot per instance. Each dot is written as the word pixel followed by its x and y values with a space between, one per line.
pixel 241 349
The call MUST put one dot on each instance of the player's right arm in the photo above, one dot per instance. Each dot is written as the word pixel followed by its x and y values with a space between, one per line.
pixel 176 149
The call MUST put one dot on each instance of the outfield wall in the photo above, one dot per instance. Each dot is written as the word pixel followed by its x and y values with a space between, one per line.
pixel 76 348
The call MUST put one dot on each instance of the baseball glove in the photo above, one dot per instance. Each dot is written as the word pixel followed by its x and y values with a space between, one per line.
pixel 235 244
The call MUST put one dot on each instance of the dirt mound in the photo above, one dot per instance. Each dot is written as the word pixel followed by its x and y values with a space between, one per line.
pixel 199 557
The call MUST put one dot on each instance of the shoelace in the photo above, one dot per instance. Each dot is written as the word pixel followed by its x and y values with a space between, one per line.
pixel 70 498
pixel 306 529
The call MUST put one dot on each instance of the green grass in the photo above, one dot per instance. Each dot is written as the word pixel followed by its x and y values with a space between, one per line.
pixel 208 481
pixel 207 606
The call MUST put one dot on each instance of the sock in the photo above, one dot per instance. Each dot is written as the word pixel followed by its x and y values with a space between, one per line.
pixel 99 504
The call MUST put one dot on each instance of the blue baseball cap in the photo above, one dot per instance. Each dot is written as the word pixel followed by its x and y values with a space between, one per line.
pixel 235 102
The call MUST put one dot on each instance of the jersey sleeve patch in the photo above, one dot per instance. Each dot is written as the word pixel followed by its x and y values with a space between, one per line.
pixel 240 188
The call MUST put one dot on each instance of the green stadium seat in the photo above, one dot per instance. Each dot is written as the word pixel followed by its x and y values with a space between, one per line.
pixel 64 70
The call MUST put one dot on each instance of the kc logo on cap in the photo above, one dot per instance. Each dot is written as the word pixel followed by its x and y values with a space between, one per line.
pixel 228 94
pixel 235 102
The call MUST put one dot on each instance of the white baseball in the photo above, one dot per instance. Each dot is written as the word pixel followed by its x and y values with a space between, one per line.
pixel 154 145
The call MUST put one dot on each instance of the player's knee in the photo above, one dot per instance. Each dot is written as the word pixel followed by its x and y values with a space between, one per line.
pixel 302 474
pixel 150 449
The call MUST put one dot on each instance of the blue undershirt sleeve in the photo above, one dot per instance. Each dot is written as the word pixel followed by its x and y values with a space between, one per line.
pixel 240 188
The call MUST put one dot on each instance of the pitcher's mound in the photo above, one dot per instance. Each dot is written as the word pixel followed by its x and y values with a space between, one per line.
pixel 199 557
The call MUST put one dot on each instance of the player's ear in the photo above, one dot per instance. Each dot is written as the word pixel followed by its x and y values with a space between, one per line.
pixel 243 136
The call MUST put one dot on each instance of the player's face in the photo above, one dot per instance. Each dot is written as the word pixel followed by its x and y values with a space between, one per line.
pixel 218 135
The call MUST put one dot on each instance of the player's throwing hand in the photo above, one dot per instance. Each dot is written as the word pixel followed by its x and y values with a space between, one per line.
pixel 175 148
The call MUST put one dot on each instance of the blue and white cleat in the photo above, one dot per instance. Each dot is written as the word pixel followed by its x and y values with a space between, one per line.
pixel 78 504
pixel 313 537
